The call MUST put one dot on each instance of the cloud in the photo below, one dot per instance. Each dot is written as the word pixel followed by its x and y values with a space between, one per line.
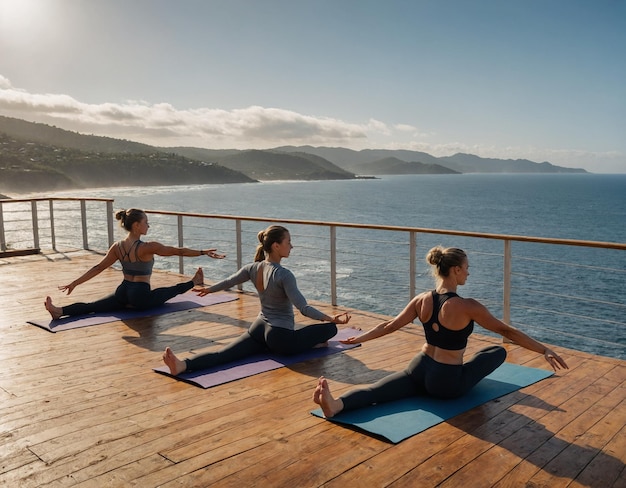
pixel 256 127
pixel 5 84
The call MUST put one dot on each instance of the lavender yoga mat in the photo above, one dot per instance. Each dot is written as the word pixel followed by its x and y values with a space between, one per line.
pixel 260 363
pixel 184 301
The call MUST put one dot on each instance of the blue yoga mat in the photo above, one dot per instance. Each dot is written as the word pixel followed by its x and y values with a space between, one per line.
pixel 260 363
pixel 401 419
pixel 184 301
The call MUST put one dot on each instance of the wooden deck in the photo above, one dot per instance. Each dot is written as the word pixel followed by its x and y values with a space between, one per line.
pixel 84 408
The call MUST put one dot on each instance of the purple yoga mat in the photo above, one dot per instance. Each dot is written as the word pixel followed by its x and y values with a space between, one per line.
pixel 185 301
pixel 260 363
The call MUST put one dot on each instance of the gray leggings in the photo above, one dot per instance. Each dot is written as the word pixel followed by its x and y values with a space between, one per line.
pixel 262 337
pixel 425 376
pixel 134 294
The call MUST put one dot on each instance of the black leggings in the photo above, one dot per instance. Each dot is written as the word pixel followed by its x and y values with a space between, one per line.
pixel 262 337
pixel 135 294
pixel 425 376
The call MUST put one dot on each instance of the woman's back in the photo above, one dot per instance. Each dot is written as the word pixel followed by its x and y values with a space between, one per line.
pixel 276 306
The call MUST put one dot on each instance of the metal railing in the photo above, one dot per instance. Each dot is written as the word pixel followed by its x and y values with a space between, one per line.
pixel 371 267
pixel 15 213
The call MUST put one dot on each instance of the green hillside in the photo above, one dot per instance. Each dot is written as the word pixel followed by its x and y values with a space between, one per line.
pixel 270 165
pixel 27 166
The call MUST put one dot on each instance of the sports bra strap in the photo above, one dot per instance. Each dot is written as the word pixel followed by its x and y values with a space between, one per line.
pixel 126 254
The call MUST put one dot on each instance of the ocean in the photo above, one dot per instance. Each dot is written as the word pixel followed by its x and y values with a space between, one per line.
pixel 569 206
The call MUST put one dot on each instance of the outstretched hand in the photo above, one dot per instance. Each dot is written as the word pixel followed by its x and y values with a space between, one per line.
pixel 554 359
pixel 212 253
pixel 67 288
pixel 350 340
pixel 202 291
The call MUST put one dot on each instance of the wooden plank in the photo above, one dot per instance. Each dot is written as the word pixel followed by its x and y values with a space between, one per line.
pixel 544 440
pixel 514 446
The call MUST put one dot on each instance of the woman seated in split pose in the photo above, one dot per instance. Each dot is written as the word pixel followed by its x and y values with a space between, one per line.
pixel 137 260
pixel 274 328
pixel 448 320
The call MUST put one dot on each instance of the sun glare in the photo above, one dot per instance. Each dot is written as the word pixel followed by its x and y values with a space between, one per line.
pixel 22 19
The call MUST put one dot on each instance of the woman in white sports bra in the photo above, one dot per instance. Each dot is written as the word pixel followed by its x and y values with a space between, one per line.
pixel 137 260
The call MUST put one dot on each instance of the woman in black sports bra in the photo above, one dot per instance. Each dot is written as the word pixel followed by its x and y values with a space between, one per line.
pixel 137 260
pixel 448 320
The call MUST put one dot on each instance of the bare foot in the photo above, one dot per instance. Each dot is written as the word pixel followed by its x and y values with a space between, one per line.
pixel 176 365
pixel 321 344
pixel 323 397
pixel 198 278
pixel 55 312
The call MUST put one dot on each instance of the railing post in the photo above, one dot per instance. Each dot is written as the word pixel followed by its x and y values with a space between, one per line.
pixel 52 234
pixel 33 207
pixel 506 292
pixel 83 219
pixel 181 264
pixel 238 240
pixel 110 222
pixel 3 242
pixel 333 265
pixel 412 263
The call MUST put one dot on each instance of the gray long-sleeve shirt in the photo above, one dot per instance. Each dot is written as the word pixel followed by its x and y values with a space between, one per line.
pixel 278 296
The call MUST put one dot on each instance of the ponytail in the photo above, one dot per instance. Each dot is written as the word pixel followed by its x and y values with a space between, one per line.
pixel 267 237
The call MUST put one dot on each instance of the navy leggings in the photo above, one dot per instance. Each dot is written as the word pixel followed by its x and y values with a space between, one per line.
pixel 425 376
pixel 262 337
pixel 133 294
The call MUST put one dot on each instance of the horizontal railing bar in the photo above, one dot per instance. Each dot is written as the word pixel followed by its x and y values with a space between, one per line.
pixel 46 199
pixel 424 230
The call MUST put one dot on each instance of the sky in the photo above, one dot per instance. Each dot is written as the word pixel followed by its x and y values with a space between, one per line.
pixel 543 80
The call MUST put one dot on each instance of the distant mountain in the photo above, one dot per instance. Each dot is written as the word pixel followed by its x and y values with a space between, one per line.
pixel 270 165
pixel 468 163
pixel 395 166
pixel 351 160
pixel 28 164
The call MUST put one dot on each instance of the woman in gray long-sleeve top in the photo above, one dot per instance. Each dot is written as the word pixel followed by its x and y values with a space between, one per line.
pixel 274 328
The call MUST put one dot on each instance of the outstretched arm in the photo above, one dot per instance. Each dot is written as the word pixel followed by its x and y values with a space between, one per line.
pixel 408 315
pixel 107 261
pixel 480 314
pixel 151 248
pixel 241 276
